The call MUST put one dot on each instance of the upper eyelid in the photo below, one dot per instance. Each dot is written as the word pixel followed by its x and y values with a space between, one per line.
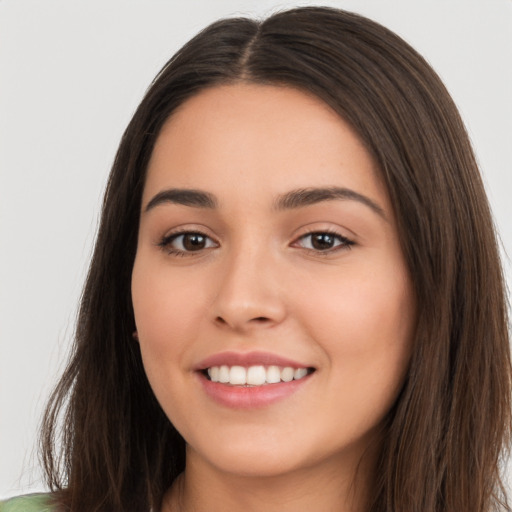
pixel 175 234
pixel 329 230
pixel 180 231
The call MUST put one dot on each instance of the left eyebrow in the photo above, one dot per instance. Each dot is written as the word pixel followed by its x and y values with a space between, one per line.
pixel 185 197
pixel 308 196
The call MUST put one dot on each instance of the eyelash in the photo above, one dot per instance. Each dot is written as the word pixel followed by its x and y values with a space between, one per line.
pixel 165 243
pixel 344 242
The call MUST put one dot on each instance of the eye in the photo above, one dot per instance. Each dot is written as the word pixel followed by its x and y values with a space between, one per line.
pixel 186 242
pixel 323 241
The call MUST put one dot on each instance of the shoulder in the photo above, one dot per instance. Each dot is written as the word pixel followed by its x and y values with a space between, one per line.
pixel 28 503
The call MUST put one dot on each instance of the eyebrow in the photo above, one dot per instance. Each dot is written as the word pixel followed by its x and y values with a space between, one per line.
pixel 308 196
pixel 186 197
pixel 294 199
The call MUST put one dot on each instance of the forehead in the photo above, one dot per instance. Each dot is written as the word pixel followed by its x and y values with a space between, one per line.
pixel 259 137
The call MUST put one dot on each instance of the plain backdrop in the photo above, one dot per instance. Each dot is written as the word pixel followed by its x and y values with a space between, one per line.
pixel 71 75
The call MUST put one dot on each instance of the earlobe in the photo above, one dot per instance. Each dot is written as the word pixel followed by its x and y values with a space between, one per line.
pixel 135 335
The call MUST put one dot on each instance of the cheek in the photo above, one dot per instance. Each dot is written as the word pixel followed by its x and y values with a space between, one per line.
pixel 365 329
pixel 168 312
pixel 364 322
pixel 167 315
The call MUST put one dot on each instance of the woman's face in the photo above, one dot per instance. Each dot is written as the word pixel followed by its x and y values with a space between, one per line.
pixel 268 251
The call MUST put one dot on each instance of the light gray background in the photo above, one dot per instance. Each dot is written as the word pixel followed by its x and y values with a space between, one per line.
pixel 71 75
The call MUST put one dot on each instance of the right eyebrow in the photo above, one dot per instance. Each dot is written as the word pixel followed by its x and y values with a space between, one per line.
pixel 183 196
pixel 307 196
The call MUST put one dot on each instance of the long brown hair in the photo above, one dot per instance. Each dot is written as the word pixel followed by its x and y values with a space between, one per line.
pixel 450 425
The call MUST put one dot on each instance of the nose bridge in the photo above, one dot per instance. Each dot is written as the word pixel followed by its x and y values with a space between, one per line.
pixel 248 293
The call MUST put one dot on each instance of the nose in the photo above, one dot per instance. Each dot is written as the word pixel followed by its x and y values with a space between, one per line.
pixel 249 293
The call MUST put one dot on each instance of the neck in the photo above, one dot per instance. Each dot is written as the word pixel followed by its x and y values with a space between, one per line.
pixel 329 487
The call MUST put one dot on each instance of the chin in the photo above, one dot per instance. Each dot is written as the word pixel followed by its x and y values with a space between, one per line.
pixel 266 455
pixel 256 458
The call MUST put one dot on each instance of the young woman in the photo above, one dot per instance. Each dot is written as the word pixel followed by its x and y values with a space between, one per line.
pixel 295 301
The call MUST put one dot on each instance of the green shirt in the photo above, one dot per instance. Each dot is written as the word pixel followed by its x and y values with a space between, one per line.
pixel 28 503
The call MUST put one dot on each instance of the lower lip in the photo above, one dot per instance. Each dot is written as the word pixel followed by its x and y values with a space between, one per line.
pixel 247 397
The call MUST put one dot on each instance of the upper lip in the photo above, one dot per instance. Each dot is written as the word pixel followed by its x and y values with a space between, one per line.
pixel 247 359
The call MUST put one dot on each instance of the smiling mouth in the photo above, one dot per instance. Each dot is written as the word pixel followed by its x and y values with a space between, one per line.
pixel 257 375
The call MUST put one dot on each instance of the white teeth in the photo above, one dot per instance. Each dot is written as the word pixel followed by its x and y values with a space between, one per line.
pixel 299 373
pixel 255 375
pixel 224 374
pixel 273 375
pixel 287 374
pixel 214 373
pixel 237 375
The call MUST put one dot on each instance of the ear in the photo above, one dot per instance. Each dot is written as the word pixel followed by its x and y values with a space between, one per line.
pixel 135 335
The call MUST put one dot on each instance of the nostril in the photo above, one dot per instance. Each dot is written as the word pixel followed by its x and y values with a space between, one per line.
pixel 258 320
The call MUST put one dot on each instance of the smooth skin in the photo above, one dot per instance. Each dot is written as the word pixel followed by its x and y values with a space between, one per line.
pixel 245 273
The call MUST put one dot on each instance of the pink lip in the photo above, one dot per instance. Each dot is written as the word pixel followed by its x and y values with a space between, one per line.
pixel 247 359
pixel 247 397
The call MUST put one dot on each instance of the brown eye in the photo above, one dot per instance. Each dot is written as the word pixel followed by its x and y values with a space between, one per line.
pixel 194 241
pixel 184 243
pixel 324 241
